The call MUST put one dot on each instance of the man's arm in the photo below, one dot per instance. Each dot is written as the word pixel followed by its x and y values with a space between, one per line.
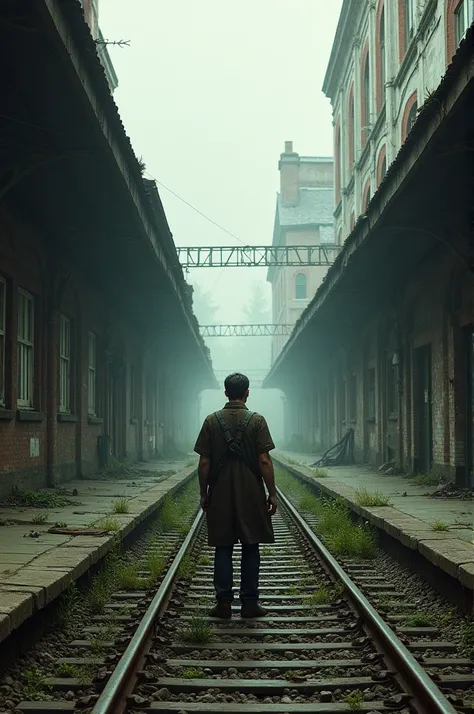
pixel 268 475
pixel 204 470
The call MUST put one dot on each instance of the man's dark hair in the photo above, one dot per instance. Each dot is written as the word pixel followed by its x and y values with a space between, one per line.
pixel 236 385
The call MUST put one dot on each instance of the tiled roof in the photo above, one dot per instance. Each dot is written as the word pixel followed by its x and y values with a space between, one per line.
pixel 315 206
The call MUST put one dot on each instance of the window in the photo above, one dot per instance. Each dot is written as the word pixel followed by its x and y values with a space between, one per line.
pixel 337 168
pixel 382 59
pixel 353 398
pixel 409 21
pixel 3 312
pixel 371 393
pixel 411 117
pixel 92 377
pixel 383 168
pixel 64 364
pixel 366 196
pixel 300 286
pixel 25 349
pixel 133 392
pixel 463 18
pixel 391 388
pixel 381 165
pixel 351 130
pixel 366 101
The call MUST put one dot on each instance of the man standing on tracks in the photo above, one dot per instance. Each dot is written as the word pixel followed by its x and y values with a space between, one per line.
pixel 234 446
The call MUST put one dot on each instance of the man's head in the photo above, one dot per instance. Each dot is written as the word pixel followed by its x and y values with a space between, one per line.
pixel 236 387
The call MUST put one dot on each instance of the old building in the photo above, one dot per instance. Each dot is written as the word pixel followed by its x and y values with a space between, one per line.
pixel 100 353
pixel 385 347
pixel 303 216
pixel 386 60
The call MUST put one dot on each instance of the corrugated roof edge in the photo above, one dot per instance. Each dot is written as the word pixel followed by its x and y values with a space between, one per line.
pixel 427 111
pixel 74 15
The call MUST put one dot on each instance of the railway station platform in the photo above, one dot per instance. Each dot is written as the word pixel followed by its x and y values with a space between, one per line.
pixel 40 558
pixel 440 528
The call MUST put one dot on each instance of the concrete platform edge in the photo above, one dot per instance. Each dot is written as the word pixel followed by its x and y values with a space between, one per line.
pixel 41 581
pixel 452 556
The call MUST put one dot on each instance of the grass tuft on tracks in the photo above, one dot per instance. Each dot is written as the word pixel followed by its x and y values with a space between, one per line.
pixel 193 673
pixel 321 596
pixel 419 620
pixel 372 499
pixel 196 631
pixel 355 700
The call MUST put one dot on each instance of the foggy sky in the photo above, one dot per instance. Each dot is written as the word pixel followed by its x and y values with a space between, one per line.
pixel 209 91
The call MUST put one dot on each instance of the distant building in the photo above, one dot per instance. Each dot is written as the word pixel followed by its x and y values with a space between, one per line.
pixel 386 59
pixel 91 16
pixel 303 216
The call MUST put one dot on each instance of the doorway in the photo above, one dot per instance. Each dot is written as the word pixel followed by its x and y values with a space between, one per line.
pixel 423 410
pixel 469 352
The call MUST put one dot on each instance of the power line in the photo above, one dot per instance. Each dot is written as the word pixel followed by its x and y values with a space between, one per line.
pixel 218 225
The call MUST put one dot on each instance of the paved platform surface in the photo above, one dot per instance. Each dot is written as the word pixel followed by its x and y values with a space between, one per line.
pixel 410 516
pixel 36 566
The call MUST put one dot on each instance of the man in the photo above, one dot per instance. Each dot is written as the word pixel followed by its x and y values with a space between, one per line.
pixel 234 463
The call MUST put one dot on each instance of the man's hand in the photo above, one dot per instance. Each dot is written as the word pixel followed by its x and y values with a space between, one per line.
pixel 204 502
pixel 272 505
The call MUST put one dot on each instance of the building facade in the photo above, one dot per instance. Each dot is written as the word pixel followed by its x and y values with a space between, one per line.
pixel 303 216
pixel 100 352
pixel 387 59
pixel 386 346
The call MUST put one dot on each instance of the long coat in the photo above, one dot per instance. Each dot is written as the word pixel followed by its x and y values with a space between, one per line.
pixel 237 506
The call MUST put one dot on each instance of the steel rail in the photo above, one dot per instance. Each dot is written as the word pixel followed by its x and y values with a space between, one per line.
pixel 112 699
pixel 428 698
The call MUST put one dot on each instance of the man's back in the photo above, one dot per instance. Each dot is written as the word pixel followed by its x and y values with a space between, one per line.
pixel 237 507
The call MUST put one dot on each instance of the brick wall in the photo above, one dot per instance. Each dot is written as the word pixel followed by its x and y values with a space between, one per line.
pixel 40 444
pixel 435 315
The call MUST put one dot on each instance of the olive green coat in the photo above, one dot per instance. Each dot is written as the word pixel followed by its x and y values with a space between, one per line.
pixel 237 508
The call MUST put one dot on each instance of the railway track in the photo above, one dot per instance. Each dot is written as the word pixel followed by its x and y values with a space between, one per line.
pixel 322 648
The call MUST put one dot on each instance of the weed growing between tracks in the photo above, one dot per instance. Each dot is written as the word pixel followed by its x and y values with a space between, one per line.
pixel 355 700
pixel 334 524
pixel 419 620
pixel 196 631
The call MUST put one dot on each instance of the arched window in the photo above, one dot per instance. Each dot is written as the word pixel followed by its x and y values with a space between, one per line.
pixel 366 197
pixel 409 115
pixel 365 109
pixel 406 12
pixel 351 146
pixel 381 58
pixel 337 167
pixel 381 165
pixel 300 286
pixel 353 220
pixel 463 18
pixel 459 17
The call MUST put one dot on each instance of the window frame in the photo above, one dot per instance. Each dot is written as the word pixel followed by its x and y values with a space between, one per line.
pixel 365 108
pixel 353 397
pixel 408 22
pixel 65 362
pixel 371 393
pixel 92 374
pixel 26 345
pixel 466 7
pixel 303 275
pixel 382 57
pixel 391 386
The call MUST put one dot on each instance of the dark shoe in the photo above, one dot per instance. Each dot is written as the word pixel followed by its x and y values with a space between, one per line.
pixel 251 608
pixel 222 610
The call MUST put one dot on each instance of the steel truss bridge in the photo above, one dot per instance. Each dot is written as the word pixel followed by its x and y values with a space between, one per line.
pixel 244 330
pixel 256 376
pixel 257 256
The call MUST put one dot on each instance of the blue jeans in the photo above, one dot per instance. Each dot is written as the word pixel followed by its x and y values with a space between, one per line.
pixel 249 572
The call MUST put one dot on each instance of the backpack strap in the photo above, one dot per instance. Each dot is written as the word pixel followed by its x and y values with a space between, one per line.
pixel 232 442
